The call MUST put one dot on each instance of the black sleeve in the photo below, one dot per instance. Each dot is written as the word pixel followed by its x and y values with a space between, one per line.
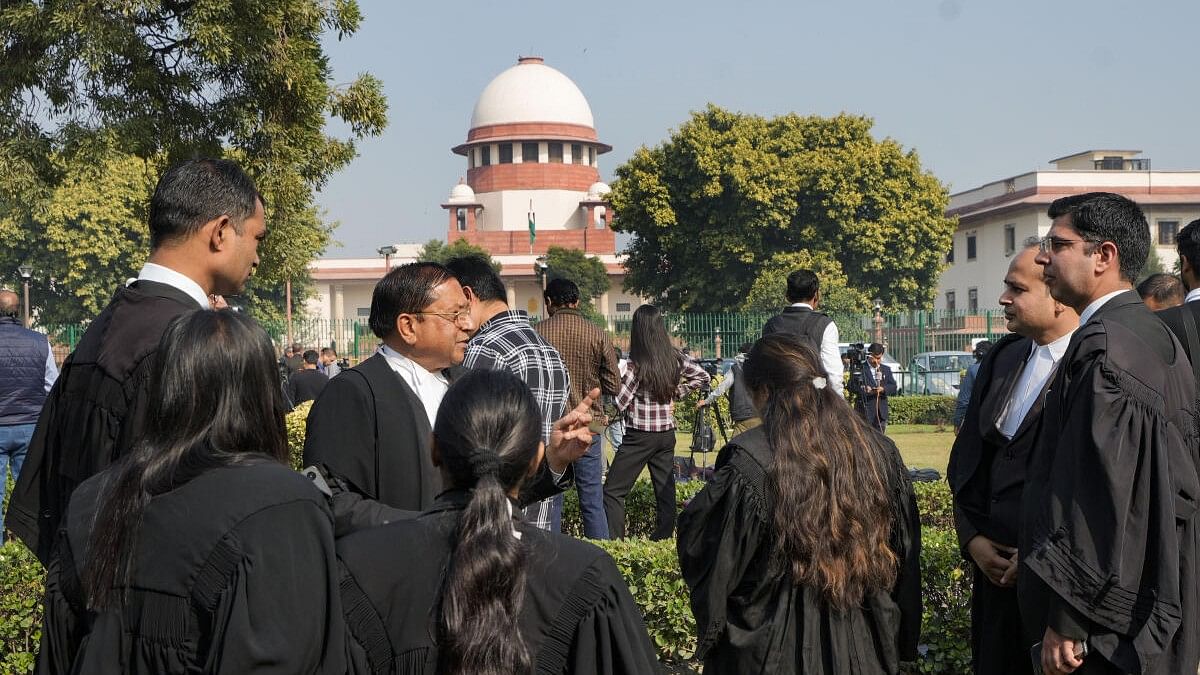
pixel 611 638
pixel 340 432
pixel 889 382
pixel 62 627
pixel 906 539
pixel 543 486
pixel 353 512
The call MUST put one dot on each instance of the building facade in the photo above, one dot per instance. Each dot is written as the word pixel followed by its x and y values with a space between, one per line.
pixel 994 219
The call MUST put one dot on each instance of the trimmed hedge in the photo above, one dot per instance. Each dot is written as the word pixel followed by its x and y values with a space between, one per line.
pixel 921 409
pixel 21 594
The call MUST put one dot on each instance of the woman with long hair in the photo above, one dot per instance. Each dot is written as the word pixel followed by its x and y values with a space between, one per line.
pixel 468 586
pixel 199 551
pixel 655 377
pixel 802 554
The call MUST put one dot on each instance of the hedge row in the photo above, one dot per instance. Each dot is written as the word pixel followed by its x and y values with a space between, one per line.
pixel 921 409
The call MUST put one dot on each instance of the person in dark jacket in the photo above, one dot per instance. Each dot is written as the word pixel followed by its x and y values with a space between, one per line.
pixel 742 412
pixel 469 586
pixel 306 384
pixel 199 550
pixel 802 320
pixel 27 371
pixel 968 383
pixel 802 555
pixel 876 385
pixel 206 221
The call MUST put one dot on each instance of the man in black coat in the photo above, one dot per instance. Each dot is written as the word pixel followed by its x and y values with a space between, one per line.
pixel 802 319
pixel 1108 541
pixel 987 462
pixel 876 385
pixel 371 427
pixel 1184 320
pixel 307 383
pixel 206 221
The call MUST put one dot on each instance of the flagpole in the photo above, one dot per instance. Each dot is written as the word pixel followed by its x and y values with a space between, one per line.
pixel 532 227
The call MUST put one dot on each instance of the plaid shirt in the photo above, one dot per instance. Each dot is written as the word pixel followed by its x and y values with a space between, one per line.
pixel 508 342
pixel 647 415
pixel 588 353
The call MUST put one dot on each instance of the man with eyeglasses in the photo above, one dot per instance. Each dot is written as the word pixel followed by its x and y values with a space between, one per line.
pixel 369 431
pixel 1108 539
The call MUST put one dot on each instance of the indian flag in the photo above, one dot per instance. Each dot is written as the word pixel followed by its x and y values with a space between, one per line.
pixel 532 224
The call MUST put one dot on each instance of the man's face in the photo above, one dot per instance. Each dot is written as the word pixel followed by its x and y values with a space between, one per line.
pixel 328 358
pixel 1026 300
pixel 441 341
pixel 1068 263
pixel 874 359
pixel 238 262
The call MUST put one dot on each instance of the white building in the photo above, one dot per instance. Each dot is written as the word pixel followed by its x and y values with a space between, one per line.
pixel 532 152
pixel 994 219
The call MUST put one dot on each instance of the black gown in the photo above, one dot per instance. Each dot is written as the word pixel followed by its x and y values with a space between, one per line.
pixel 1109 541
pixel 577 617
pixel 235 572
pixel 752 619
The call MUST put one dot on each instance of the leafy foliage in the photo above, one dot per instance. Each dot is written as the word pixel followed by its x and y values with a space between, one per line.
pixel 921 409
pixel 727 192
pixel 98 98
pixel 945 645
pixel 586 271
pixel 21 593
pixel 296 422
pixel 651 570
pixel 436 250
pixel 768 293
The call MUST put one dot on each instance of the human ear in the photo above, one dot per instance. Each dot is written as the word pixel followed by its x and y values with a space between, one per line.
pixel 220 231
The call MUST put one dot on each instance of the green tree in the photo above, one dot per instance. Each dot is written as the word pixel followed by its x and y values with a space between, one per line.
pixel 727 192
pixel 135 86
pixel 768 293
pixel 436 250
pixel 588 273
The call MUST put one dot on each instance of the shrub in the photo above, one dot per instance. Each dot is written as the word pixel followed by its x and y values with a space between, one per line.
pixel 639 508
pixel 934 504
pixel 651 570
pixel 296 421
pixel 946 593
pixel 921 409
pixel 685 411
pixel 21 594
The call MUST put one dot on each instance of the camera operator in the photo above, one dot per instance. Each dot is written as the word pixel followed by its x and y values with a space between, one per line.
pixel 875 386
pixel 741 406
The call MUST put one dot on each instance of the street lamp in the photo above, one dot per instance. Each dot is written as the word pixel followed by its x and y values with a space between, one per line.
pixel 879 320
pixel 26 272
pixel 541 269
pixel 387 252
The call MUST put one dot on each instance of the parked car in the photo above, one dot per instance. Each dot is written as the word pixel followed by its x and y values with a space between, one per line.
pixel 937 373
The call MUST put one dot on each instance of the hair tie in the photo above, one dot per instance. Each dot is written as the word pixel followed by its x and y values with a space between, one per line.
pixel 819 382
pixel 484 462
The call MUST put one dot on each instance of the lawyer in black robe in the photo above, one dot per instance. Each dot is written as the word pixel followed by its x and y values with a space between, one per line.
pixel 370 432
pixel 95 410
pixel 577 616
pixel 986 475
pixel 751 617
pixel 250 587
pixel 1108 546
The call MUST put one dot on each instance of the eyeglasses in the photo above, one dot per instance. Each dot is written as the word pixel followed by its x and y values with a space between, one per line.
pixel 462 316
pixel 1047 244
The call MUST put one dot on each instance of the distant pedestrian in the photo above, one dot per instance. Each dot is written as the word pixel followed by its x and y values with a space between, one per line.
pixel 1161 291
pixel 27 371
pixel 329 363
pixel 307 383
pixel 967 386
pixel 876 385
pixel 802 319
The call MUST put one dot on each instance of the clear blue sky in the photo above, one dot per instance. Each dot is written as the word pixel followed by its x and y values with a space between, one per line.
pixel 981 89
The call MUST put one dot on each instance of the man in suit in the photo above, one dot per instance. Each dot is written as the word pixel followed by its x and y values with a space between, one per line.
pixel 369 431
pixel 1109 538
pixel 206 221
pixel 987 462
pixel 876 386
pixel 1184 319
pixel 802 319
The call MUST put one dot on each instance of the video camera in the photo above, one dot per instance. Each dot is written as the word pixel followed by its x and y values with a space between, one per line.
pixel 857 354
pixel 710 366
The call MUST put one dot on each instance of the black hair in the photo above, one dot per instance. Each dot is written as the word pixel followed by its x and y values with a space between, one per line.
pixel 1106 216
pixel 561 292
pixel 476 273
pixel 328 350
pixel 1165 289
pixel 487 432
pixel 214 401
pixel 658 364
pixel 746 347
pixel 311 357
pixel 981 349
pixel 875 349
pixel 1187 242
pixel 198 191
pixel 405 290
pixel 802 285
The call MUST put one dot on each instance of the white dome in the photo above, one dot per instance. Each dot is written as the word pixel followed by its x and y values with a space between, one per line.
pixel 531 92
pixel 461 194
pixel 598 190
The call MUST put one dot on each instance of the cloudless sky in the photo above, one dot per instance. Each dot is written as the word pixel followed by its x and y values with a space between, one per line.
pixel 981 89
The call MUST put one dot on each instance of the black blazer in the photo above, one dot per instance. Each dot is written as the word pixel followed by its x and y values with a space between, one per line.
pixel 876 402
pixel 1175 318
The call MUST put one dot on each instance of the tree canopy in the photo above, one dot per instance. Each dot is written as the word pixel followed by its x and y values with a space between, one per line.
pixel 727 192
pixel 436 250
pixel 768 293
pixel 97 99
pixel 588 273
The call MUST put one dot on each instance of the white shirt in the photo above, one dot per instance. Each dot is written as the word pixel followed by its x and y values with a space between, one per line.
pixel 831 356
pixel 1042 361
pixel 429 387
pixel 1192 296
pixel 1097 304
pixel 166 275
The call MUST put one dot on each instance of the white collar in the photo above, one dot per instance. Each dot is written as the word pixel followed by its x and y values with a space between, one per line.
pixel 802 304
pixel 166 275
pixel 1097 304
pixel 1192 296
pixel 400 362
pixel 1056 348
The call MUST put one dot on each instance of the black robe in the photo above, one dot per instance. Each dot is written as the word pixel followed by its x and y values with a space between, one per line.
pixel 96 409
pixel 577 616
pixel 370 432
pixel 986 475
pixel 234 572
pixel 1109 538
pixel 751 618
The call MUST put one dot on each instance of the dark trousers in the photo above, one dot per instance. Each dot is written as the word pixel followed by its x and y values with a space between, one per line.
pixel 589 481
pixel 998 645
pixel 639 449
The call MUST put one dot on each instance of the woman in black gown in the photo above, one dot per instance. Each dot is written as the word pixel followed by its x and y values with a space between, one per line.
pixel 468 587
pixel 200 551
pixel 802 554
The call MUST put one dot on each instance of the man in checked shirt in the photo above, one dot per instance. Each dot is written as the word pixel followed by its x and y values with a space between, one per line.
pixel 506 340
